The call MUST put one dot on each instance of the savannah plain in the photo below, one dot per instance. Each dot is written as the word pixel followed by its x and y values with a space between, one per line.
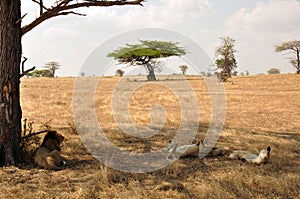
pixel 261 111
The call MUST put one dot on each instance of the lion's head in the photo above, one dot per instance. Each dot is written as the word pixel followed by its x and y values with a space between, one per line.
pixel 52 140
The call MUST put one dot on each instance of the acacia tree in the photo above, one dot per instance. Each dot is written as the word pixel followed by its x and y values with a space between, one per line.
pixel 145 54
pixel 183 69
pixel 11 33
pixel 226 61
pixel 294 48
pixel 52 67
pixel 119 73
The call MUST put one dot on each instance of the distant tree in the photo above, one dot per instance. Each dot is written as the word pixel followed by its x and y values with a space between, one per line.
pixel 39 73
pixel 294 48
pixel 82 74
pixel 209 72
pixel 52 67
pixel 223 76
pixel 225 57
pixel 235 73
pixel 119 73
pixel 183 69
pixel 203 73
pixel 145 54
pixel 274 71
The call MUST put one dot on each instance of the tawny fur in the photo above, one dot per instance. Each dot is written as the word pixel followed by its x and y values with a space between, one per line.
pixel 262 157
pixel 191 150
pixel 48 155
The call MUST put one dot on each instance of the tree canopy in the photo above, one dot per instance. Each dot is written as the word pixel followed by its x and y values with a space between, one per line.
pixel 52 67
pixel 226 57
pixel 119 73
pixel 294 48
pixel 39 73
pixel 183 69
pixel 144 54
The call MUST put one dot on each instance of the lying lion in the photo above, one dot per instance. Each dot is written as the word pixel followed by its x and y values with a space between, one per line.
pixel 48 155
pixel 262 157
pixel 191 150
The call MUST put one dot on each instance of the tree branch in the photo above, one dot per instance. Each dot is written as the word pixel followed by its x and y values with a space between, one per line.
pixel 41 7
pixel 41 4
pixel 23 68
pixel 23 63
pixel 34 134
pixel 71 12
pixel 26 72
pixel 65 5
pixel 20 20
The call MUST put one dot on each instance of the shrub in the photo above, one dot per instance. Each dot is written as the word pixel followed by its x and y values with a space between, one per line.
pixel 274 71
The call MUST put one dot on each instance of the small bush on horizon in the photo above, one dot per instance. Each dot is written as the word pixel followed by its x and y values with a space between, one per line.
pixel 274 71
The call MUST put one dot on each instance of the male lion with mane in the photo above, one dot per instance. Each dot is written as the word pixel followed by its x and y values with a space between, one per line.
pixel 48 154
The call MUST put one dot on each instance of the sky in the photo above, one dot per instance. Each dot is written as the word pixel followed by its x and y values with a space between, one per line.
pixel 256 26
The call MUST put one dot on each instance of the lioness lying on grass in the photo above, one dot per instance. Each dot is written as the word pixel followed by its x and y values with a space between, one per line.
pixel 48 155
pixel 262 157
pixel 191 150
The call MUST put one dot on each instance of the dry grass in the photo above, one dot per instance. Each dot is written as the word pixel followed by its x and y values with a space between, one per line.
pixel 260 111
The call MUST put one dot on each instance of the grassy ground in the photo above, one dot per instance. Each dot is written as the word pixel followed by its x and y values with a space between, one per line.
pixel 260 111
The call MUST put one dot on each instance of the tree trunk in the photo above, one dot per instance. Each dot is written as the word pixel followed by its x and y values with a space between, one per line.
pixel 298 61
pixel 151 75
pixel 10 58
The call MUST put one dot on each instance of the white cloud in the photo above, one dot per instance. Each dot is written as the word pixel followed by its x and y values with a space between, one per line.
pixel 274 17
pixel 258 30
pixel 167 12
pixel 70 39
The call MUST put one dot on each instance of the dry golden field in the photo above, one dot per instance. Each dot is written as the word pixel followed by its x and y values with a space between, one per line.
pixel 261 110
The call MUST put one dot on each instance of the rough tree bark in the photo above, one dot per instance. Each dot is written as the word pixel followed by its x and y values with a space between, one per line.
pixel 298 61
pixel 151 75
pixel 10 58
